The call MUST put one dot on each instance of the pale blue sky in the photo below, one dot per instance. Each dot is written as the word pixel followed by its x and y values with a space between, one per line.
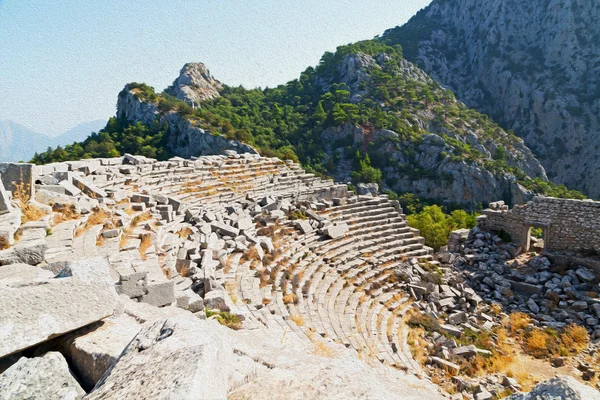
pixel 64 62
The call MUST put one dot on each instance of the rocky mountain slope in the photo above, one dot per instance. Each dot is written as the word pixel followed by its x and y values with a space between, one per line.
pixel 364 114
pixel 20 143
pixel 532 66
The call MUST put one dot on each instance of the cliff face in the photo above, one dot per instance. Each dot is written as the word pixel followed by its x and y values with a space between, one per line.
pixel 429 166
pixel 185 139
pixel 531 65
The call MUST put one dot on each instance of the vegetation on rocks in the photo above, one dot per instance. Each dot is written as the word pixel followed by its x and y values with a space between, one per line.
pixel 367 85
pixel 435 225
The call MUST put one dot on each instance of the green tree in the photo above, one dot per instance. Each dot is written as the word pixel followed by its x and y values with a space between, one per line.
pixel 435 225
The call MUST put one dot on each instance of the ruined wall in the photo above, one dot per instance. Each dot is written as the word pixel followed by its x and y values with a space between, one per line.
pixel 568 224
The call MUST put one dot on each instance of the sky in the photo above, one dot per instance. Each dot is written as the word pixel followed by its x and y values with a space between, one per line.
pixel 63 62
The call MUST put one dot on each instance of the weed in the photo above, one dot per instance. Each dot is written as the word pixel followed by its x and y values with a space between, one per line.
pixel 225 318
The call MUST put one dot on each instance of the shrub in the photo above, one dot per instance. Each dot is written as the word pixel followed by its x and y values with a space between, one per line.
pixel 518 321
pixel 425 321
pixel 537 343
pixel 225 318
pixel 575 337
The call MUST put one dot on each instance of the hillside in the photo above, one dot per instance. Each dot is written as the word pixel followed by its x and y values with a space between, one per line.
pixel 364 114
pixel 532 66
pixel 19 143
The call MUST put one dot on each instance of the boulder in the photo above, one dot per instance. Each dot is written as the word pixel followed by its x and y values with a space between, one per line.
pixel 367 189
pixel 177 358
pixel 35 311
pixel 559 388
pixel 46 377
pixel 335 231
pixel 93 353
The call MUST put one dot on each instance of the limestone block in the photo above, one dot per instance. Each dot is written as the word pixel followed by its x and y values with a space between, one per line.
pixel 304 226
pixel 23 273
pixel 160 293
pixel 5 206
pixel 31 313
pixel 178 358
pixel 189 300
pixel 335 231
pixel 88 188
pixel 13 174
pixel 46 377
pixel 224 229
pixel 92 354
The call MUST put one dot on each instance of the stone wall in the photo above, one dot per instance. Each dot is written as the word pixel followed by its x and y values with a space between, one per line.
pixel 17 173
pixel 567 224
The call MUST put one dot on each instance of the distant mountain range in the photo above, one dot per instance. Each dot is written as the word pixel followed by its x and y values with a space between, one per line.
pixel 18 143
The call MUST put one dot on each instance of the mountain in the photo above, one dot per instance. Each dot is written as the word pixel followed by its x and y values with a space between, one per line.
pixel 364 114
pixel 533 66
pixel 18 143
pixel 79 132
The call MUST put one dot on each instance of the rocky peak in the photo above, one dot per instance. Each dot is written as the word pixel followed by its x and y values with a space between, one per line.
pixel 194 85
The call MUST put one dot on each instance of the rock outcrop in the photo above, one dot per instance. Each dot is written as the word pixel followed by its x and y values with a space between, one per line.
pixel 441 177
pixel 533 66
pixel 185 138
pixel 559 388
pixel 194 85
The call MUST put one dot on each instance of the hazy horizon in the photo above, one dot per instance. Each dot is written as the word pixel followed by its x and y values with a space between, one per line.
pixel 63 65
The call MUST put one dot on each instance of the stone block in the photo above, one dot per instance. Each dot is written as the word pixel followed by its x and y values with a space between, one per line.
pixel 160 293
pixel 14 174
pixel 46 377
pixel 93 353
pixel 179 358
pixel 31 313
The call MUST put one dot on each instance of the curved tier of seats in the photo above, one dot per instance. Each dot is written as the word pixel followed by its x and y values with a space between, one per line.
pixel 343 290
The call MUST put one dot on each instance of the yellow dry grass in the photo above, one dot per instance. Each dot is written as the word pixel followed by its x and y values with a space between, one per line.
pixel 290 298
pixel 184 233
pixel 298 319
pixel 145 244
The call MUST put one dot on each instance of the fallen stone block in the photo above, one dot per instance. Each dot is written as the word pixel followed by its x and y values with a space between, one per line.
pixel 88 188
pixel 159 294
pixel 190 300
pixel 93 353
pixel 46 377
pixel 450 366
pixel 224 229
pixel 335 231
pixel 178 358
pixel 33 312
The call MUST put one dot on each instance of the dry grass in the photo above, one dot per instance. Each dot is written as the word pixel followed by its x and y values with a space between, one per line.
pixel 98 217
pixel 123 241
pixel 575 337
pixel 495 309
pixel 298 319
pixel 184 233
pixel 518 322
pixel 232 291
pixel 266 301
pixel 321 349
pixel 63 215
pixel 4 243
pixel 537 343
pixel 146 243
pixel 100 241
pixel 290 298
pixel 138 219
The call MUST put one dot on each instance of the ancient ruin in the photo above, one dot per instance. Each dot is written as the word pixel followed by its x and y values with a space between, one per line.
pixel 110 268
pixel 568 225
